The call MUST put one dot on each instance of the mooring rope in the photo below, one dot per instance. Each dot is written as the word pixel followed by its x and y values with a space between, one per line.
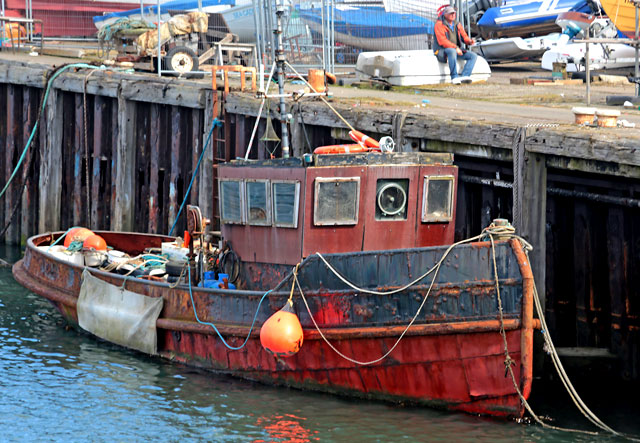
pixel 351 128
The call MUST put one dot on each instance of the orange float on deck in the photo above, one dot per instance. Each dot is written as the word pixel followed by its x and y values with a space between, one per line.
pixel 76 234
pixel 340 149
pixel 281 334
pixel 95 242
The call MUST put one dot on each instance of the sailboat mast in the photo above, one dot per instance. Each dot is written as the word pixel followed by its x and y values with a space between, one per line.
pixel 284 136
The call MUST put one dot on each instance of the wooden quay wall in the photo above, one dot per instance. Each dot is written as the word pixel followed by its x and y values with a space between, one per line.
pixel 573 194
pixel 144 136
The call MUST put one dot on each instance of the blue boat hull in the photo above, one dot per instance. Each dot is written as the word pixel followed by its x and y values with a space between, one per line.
pixel 526 19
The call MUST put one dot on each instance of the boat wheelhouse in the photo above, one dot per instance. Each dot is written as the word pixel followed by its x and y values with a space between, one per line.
pixel 274 213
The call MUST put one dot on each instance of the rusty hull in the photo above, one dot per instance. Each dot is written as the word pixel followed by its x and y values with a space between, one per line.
pixel 452 357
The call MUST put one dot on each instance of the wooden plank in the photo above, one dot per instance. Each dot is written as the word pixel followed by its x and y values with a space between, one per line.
pixel 9 150
pixel 154 163
pixel 206 197
pixel 176 137
pixel 27 220
pixel 534 216
pixel 618 260
pixel 125 168
pixel 149 88
pixel 50 183
pixel 197 144
pixel 98 141
pixel 79 218
pixel 112 165
pixel 582 271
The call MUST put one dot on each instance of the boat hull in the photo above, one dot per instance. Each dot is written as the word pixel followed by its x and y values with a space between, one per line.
pixel 413 68
pixel 452 357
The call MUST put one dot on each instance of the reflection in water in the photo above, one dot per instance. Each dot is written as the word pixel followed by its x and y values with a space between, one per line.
pixel 60 384
pixel 286 428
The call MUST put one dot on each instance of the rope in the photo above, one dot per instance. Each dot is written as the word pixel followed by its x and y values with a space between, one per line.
pixel 435 269
pixel 408 285
pixel 233 348
pixel 518 168
pixel 490 232
pixel 565 379
pixel 107 32
pixel 214 124
pixel 321 97
pixel 255 126
pixel 35 126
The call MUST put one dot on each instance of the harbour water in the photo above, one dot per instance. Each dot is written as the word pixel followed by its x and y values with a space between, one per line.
pixel 58 384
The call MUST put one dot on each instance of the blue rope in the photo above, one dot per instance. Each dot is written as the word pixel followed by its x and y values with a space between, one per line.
pixel 61 237
pixel 214 124
pixel 44 102
pixel 233 348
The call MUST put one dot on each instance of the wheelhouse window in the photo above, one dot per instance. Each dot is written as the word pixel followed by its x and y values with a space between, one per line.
pixel 258 207
pixel 437 200
pixel 231 201
pixel 336 201
pixel 286 195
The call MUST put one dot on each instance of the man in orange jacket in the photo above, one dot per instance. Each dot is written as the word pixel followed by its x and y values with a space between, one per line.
pixel 447 46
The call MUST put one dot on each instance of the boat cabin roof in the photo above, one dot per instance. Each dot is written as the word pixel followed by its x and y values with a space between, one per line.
pixel 282 210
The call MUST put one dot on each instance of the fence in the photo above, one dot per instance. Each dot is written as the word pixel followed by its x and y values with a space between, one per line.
pixel 322 33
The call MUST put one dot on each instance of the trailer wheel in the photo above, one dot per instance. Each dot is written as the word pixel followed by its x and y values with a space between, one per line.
pixel 181 60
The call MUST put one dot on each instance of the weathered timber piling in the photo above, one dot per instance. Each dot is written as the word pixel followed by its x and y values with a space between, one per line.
pixel 112 151
pixel 573 194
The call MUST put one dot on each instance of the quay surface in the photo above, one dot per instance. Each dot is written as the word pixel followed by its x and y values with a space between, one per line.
pixel 573 192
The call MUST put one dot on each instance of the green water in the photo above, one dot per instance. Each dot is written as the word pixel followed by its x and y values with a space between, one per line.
pixel 57 384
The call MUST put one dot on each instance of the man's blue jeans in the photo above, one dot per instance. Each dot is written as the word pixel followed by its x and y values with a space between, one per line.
pixel 450 55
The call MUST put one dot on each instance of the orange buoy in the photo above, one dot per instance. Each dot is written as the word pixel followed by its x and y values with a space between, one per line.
pixel 281 334
pixel 340 149
pixel 76 234
pixel 95 242
pixel 331 78
pixel 359 137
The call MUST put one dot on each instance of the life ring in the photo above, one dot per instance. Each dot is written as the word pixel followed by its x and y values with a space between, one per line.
pixel 340 149
pixel 359 137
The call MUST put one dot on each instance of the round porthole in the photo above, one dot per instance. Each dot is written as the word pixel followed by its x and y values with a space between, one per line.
pixel 392 199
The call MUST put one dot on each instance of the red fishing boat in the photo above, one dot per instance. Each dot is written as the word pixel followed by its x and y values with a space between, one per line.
pixel 360 247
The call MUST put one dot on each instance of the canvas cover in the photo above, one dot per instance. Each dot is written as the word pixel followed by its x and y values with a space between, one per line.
pixel 177 25
pixel 117 315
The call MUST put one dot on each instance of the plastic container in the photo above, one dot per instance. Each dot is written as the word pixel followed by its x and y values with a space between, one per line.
pixel 211 282
pixel 607 118
pixel 174 251
pixel 94 258
pixel 584 116
pixel 61 253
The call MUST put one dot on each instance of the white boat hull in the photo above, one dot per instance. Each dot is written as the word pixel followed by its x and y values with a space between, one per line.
pixel 609 56
pixel 518 48
pixel 413 68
